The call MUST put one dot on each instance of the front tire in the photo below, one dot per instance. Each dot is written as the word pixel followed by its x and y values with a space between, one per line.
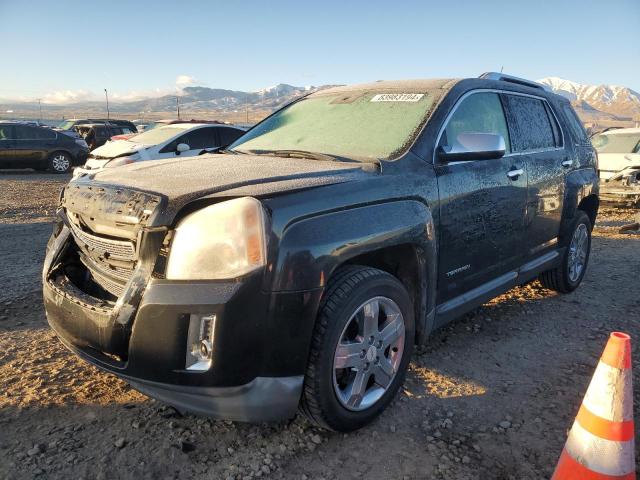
pixel 60 162
pixel 567 276
pixel 361 347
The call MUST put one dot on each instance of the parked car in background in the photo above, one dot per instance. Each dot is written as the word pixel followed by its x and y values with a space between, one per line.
pixel 296 270
pixel 173 121
pixel 97 134
pixel 617 149
pixel 169 141
pixel 29 146
pixel 69 124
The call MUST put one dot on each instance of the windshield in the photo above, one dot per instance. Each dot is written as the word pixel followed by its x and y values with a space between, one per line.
pixel 156 136
pixel 359 125
pixel 66 125
pixel 617 143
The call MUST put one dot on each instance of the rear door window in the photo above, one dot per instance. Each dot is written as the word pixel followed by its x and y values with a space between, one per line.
pixel 228 135
pixel 478 113
pixel 202 138
pixel 24 132
pixel 529 124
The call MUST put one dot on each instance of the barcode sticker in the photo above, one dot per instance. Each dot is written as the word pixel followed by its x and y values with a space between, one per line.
pixel 397 97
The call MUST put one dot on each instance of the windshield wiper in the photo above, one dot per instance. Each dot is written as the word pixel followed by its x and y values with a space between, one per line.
pixel 303 154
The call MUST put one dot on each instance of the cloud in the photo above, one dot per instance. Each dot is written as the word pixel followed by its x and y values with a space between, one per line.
pixel 65 97
pixel 62 97
pixel 185 81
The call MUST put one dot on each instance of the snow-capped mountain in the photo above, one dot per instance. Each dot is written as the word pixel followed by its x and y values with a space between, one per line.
pixel 614 99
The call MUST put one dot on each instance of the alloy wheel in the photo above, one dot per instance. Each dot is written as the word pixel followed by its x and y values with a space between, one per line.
pixel 369 353
pixel 60 163
pixel 578 252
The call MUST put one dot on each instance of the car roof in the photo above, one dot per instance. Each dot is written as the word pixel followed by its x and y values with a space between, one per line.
pixel 404 86
pixel 490 80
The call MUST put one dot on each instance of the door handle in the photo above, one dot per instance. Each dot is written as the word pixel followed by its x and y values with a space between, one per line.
pixel 515 173
pixel 567 163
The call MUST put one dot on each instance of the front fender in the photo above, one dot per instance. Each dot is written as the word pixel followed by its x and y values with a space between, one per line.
pixel 311 249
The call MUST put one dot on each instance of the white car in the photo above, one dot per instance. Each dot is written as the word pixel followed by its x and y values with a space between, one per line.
pixel 617 150
pixel 170 141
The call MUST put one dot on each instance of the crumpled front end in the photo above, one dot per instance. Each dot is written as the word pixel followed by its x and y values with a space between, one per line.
pixel 98 264
pixel 107 299
pixel 623 188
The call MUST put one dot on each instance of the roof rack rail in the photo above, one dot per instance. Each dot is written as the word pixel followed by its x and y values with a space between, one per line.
pixel 510 78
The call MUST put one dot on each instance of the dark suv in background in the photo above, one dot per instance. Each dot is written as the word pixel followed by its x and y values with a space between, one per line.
pixel 298 267
pixel 41 148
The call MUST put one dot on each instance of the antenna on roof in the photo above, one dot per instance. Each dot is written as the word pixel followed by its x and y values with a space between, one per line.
pixel 501 68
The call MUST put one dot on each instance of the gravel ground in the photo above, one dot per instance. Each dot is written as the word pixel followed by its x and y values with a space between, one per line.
pixel 491 397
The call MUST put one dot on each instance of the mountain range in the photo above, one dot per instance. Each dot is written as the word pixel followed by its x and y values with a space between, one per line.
pixel 594 103
pixel 613 101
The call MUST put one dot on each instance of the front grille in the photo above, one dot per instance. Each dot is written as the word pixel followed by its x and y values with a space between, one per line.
pixel 104 247
pixel 109 262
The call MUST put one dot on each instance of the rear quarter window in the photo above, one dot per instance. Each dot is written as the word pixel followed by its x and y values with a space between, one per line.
pixel 529 124
pixel 575 125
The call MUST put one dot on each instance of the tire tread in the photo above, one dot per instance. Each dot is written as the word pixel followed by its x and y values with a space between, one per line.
pixel 338 290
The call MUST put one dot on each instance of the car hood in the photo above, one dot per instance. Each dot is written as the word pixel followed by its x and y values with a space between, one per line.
pixel 117 148
pixel 180 181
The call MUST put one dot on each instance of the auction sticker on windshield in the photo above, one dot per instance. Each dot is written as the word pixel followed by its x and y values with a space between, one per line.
pixel 397 97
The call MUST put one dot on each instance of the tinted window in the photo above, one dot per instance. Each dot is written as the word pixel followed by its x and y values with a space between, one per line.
pixel 101 131
pixel 24 132
pixel 529 124
pixel 203 138
pixel 44 134
pixel 478 113
pixel 228 135
pixel 7 132
pixel 575 125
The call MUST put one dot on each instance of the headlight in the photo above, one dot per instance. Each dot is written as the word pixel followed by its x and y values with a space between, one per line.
pixel 81 142
pixel 221 241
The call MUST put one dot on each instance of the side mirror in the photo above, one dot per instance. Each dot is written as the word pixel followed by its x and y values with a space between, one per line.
pixel 182 147
pixel 473 146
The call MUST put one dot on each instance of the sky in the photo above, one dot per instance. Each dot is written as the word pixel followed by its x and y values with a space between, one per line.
pixel 72 50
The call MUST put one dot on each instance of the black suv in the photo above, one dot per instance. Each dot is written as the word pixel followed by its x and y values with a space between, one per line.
pixel 73 122
pixel 97 134
pixel 29 146
pixel 299 267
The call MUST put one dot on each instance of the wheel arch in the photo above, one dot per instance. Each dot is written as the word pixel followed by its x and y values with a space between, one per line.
pixel 581 193
pixel 396 237
pixel 590 205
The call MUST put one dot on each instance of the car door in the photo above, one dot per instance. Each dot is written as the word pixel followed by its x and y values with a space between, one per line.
pixel 44 144
pixel 482 206
pixel 7 145
pixel 26 151
pixel 537 138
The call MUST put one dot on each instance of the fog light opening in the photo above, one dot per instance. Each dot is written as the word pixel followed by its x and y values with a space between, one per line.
pixel 200 342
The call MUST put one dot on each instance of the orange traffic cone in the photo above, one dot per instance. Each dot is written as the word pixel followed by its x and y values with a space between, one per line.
pixel 600 444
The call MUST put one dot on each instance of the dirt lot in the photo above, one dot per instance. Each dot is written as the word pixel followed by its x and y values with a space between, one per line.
pixel 491 397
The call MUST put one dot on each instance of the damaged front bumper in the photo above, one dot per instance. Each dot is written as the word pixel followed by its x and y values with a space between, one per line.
pixel 623 188
pixel 260 344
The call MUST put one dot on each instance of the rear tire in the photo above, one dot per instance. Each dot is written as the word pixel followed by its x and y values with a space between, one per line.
pixel 567 276
pixel 60 162
pixel 360 350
